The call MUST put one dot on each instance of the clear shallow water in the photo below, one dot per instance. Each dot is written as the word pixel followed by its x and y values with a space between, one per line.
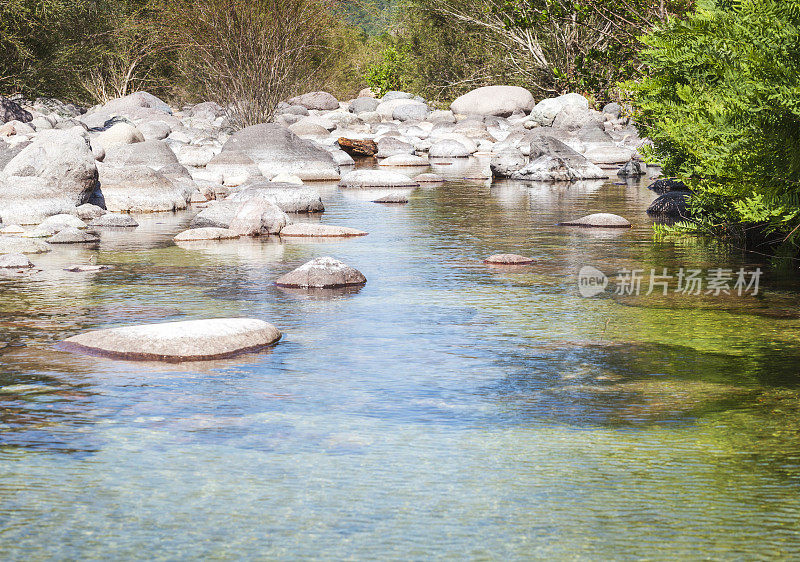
pixel 447 409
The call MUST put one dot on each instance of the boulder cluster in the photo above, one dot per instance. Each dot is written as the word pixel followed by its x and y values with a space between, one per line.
pixel 67 173
pixel 136 154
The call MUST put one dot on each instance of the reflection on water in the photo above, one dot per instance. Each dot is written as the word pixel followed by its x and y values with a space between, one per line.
pixel 445 409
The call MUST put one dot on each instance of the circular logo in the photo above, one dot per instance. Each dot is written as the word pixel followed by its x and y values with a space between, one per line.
pixel 591 281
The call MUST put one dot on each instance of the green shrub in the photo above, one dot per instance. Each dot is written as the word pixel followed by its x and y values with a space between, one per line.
pixel 721 102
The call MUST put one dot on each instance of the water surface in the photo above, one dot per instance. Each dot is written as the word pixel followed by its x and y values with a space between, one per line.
pixel 447 409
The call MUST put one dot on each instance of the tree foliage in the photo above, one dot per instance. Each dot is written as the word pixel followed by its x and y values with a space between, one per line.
pixel 721 102
pixel 548 46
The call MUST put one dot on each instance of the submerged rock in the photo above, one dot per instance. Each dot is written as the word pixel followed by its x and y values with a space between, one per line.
pixel 324 272
pixel 601 220
pixel 321 230
pixel 509 259
pixel 193 340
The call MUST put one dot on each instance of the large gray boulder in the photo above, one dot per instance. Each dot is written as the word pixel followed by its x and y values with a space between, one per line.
pixel 119 134
pixel 415 111
pixel 494 100
pixel 363 105
pixel 322 273
pixel 275 149
pixel 448 148
pixel 391 146
pixel 192 340
pixel 552 160
pixel 139 189
pixel 52 175
pixel 316 100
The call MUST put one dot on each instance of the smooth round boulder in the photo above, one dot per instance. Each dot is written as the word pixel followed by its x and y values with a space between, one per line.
pixel 62 221
pixel 322 273
pixel 508 259
pixel 208 233
pixel 71 235
pixel 119 134
pixel 192 340
pixel 15 261
pixel 363 105
pixel 316 100
pixel 359 179
pixel 305 229
pixel 88 212
pixel 448 148
pixel 599 220
pixel 501 101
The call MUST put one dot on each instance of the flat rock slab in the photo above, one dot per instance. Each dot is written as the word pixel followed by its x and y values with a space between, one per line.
pixel 311 229
pixel 207 233
pixel 376 178
pixel 394 198
pixel 404 160
pixel 114 220
pixel 599 220
pixel 509 259
pixel 15 261
pixel 322 273
pixel 174 342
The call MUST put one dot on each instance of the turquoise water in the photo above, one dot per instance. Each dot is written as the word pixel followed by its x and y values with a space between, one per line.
pixel 445 410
